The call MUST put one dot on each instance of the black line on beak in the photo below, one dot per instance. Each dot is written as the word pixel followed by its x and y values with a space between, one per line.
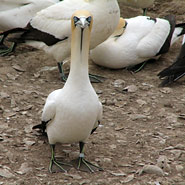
pixel 82 29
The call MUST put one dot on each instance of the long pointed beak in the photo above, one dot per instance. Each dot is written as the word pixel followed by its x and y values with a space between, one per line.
pixel 84 22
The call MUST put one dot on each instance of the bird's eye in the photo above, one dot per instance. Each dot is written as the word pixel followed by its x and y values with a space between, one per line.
pixel 76 19
pixel 89 19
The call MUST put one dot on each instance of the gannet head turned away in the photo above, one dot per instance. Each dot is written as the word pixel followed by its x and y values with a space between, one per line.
pixel 120 28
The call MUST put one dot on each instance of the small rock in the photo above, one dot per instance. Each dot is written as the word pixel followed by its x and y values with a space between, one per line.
pixel 4 95
pixel 28 142
pixel 24 169
pixel 179 168
pixel 107 160
pixel 130 88
pixel 11 77
pixel 141 102
pixel 134 117
pixel 128 179
pixel 180 147
pixel 76 177
pixel 111 102
pixel 152 169
pixel 119 83
pixel 5 173
pixel 162 162
pixel 120 174
pixel 18 68
pixel 166 90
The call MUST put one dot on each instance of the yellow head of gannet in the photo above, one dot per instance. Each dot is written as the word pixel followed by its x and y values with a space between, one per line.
pixel 120 28
pixel 81 21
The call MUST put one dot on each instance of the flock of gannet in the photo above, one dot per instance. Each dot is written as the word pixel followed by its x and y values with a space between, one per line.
pixel 72 28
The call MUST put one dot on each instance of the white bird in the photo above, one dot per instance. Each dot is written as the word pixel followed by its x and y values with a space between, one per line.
pixel 175 71
pixel 142 38
pixel 70 114
pixel 17 13
pixel 144 4
pixel 50 28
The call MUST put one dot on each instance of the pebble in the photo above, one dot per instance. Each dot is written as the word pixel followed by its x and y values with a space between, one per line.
pixel 120 174
pixel 128 179
pixel 141 102
pixel 162 162
pixel 119 83
pixel 152 169
pixel 130 89
pixel 179 168
pixel 4 95
pixel 24 169
pixel 28 142
pixel 134 117
pixel 5 173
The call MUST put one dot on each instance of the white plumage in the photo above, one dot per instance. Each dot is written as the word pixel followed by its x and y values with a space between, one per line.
pixel 71 113
pixel 17 13
pixel 55 20
pixel 142 39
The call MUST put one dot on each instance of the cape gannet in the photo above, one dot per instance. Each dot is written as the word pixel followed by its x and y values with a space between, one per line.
pixel 17 13
pixel 50 28
pixel 70 114
pixel 141 38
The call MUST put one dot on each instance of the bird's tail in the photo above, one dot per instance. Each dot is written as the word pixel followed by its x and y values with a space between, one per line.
pixel 15 34
pixel 179 31
pixel 176 70
pixel 41 127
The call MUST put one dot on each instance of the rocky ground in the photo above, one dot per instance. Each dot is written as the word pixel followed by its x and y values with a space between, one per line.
pixel 141 142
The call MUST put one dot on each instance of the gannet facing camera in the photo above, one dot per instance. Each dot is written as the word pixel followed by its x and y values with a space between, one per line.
pixel 72 113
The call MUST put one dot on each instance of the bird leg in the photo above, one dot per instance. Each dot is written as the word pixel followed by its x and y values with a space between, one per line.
pixel 53 161
pixel 6 50
pixel 96 78
pixel 86 165
pixel 93 78
pixel 144 11
pixel 61 71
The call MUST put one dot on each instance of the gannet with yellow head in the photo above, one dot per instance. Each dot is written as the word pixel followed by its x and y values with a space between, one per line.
pixel 72 113
pixel 50 28
pixel 141 38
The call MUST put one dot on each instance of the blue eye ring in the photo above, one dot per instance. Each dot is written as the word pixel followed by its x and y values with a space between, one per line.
pixel 89 19
pixel 76 19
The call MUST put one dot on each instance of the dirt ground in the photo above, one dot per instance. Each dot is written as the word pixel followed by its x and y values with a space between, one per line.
pixel 141 126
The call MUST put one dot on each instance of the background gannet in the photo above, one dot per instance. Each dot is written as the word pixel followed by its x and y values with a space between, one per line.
pixel 50 28
pixel 144 4
pixel 17 13
pixel 175 71
pixel 70 114
pixel 142 38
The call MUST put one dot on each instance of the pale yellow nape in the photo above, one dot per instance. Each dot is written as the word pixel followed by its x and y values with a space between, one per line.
pixel 120 28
